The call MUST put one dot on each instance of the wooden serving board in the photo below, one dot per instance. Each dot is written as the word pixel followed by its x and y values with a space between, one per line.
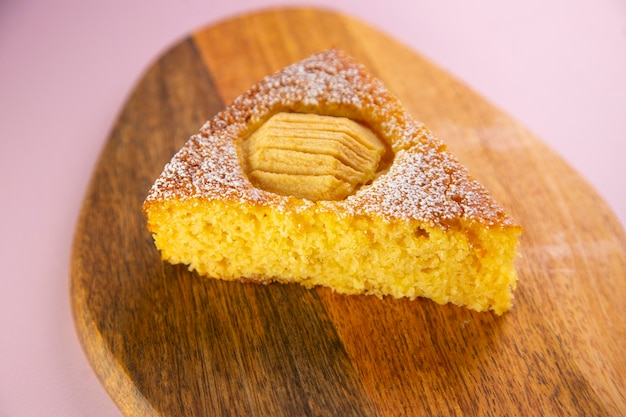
pixel 165 342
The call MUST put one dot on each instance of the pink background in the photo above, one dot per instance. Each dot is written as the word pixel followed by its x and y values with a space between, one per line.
pixel 67 66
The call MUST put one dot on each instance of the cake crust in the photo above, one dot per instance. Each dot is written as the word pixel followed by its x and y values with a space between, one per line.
pixel 424 183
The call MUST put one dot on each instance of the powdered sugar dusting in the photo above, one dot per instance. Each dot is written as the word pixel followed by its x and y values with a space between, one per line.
pixel 424 182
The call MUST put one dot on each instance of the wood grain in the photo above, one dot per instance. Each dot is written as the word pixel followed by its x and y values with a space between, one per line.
pixel 165 342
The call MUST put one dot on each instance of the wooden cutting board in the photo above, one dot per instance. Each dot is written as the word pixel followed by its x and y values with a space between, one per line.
pixel 165 342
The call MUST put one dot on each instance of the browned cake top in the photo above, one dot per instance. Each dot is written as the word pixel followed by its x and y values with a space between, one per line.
pixel 424 182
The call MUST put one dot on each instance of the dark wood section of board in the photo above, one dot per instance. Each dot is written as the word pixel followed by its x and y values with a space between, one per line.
pixel 166 342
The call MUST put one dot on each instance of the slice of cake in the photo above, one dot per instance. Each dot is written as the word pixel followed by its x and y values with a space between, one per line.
pixel 318 175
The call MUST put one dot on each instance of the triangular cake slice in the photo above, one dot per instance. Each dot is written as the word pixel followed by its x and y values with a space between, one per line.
pixel 318 175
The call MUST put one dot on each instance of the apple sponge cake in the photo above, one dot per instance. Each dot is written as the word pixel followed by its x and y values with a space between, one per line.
pixel 318 175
